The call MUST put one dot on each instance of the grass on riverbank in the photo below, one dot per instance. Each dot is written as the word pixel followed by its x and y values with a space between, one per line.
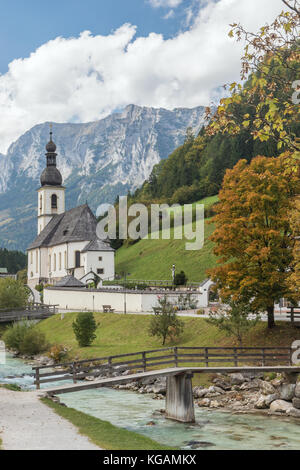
pixel 122 334
pixel 102 433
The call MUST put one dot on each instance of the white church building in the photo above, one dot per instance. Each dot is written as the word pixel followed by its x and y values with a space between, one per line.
pixel 67 242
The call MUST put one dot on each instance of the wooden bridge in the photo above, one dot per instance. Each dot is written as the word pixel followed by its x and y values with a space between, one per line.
pixel 183 363
pixel 33 311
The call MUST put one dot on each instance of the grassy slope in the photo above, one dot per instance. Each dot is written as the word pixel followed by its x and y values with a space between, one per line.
pixel 121 334
pixel 104 434
pixel 153 259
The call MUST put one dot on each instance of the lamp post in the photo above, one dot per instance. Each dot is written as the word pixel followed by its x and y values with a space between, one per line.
pixel 173 273
pixel 125 274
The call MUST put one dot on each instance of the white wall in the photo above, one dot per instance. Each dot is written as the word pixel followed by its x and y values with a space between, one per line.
pixel 80 299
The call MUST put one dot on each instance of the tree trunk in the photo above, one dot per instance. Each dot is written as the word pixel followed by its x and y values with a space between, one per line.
pixel 271 319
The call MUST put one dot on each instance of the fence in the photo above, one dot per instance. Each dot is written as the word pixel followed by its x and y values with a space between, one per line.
pixel 32 311
pixel 175 357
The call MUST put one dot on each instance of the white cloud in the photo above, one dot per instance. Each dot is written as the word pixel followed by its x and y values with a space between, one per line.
pixel 169 15
pixel 165 3
pixel 87 77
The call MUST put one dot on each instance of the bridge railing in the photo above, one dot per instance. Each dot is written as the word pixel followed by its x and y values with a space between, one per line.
pixel 178 356
pixel 30 311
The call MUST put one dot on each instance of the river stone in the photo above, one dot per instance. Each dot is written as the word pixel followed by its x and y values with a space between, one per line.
pixel 294 412
pixel 223 383
pixel 280 406
pixel 267 388
pixel 297 390
pixel 261 403
pixel 204 402
pixel 296 403
pixel 201 392
pixel 253 385
pixel 159 388
pixel 287 391
pixel 198 392
pixel 237 379
pixel 270 398
pixel 214 404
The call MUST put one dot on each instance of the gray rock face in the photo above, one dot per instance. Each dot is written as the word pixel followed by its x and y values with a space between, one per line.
pixel 287 391
pixel 98 161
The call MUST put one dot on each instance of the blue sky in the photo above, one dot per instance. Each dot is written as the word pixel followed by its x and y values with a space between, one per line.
pixel 80 60
pixel 27 24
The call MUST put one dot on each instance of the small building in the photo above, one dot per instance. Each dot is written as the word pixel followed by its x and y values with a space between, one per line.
pixel 67 241
pixel 4 274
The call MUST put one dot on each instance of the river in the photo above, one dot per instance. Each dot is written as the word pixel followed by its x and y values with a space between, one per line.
pixel 214 430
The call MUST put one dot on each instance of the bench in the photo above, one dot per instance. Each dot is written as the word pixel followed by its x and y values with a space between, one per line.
pixel 294 314
pixel 108 309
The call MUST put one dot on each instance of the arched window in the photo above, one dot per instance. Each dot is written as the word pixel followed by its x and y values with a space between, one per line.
pixel 60 261
pixel 54 267
pixel 77 259
pixel 54 201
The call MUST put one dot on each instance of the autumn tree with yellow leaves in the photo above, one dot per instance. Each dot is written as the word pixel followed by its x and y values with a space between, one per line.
pixel 253 237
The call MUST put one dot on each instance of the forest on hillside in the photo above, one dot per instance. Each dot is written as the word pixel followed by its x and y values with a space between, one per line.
pixel 14 261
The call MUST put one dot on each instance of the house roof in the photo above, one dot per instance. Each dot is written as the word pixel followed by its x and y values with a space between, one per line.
pixel 78 224
pixel 97 245
pixel 69 281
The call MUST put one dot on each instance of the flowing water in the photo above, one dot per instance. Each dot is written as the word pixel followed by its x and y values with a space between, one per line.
pixel 133 411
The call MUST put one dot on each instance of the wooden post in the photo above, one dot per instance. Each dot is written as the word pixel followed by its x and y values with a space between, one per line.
pixel 37 378
pixel 235 357
pixel 263 357
pixel 292 315
pixel 109 366
pixel 144 361
pixel 176 356
pixel 179 400
pixel 206 357
pixel 74 373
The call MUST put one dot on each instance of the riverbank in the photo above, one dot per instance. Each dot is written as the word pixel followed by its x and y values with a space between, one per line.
pixel 28 424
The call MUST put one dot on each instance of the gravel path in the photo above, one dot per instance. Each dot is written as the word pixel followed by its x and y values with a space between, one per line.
pixel 27 424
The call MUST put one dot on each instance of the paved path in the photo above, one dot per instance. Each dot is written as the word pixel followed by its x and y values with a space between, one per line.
pixel 27 424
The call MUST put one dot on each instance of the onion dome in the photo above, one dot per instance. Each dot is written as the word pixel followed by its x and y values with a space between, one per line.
pixel 51 175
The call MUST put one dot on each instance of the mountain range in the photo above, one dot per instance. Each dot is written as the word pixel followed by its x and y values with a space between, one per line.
pixel 98 161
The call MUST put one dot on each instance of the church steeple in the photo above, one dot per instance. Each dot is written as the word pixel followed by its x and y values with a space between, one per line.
pixel 51 199
pixel 51 175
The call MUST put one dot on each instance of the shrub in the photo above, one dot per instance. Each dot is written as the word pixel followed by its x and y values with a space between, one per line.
pixel 58 352
pixel 180 279
pixel 24 338
pixel 13 294
pixel 84 328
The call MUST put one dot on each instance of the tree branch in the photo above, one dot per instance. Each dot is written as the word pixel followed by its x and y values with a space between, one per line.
pixel 290 6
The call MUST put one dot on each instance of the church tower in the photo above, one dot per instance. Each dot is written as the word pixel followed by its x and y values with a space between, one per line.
pixel 51 195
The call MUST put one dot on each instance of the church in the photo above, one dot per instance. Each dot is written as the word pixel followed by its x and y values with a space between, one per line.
pixel 67 243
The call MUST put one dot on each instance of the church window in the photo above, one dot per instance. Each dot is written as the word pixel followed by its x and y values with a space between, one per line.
pixel 100 271
pixel 65 260
pixel 54 267
pixel 31 258
pixel 41 203
pixel 77 259
pixel 100 258
pixel 60 261
pixel 36 261
pixel 49 263
pixel 54 201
